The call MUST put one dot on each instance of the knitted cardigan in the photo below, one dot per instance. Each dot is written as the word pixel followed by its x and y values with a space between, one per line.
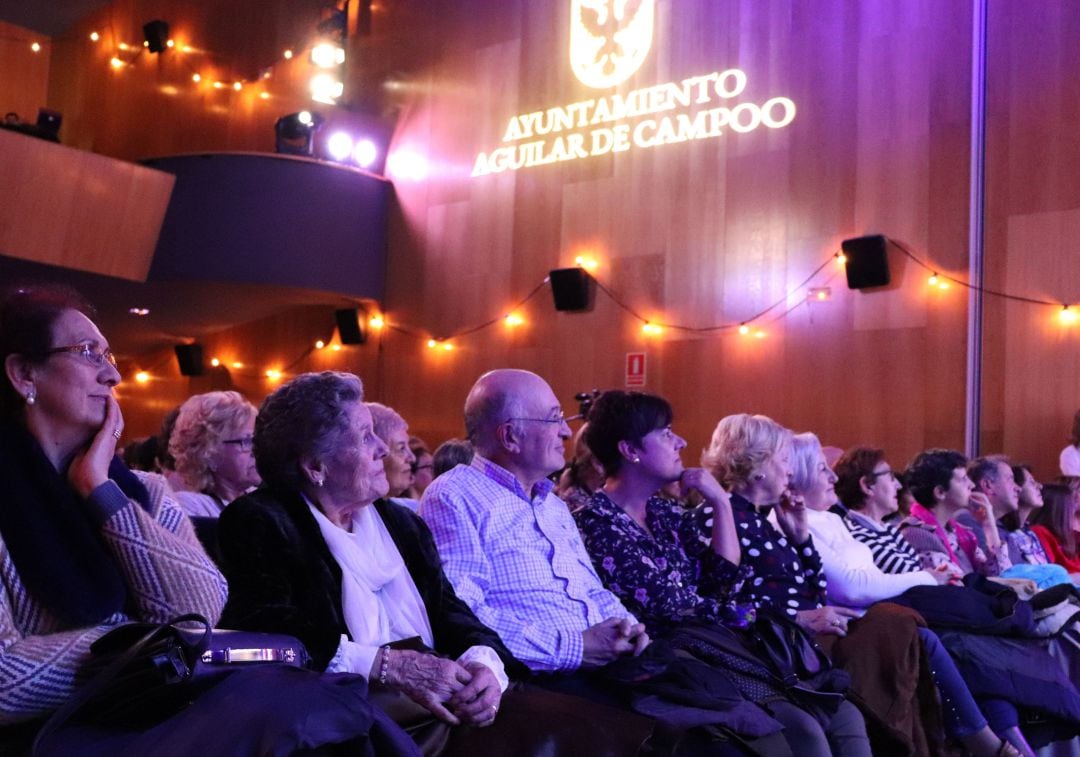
pixel 167 573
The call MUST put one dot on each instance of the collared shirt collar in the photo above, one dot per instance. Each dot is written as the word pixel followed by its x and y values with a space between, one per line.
pixel 505 478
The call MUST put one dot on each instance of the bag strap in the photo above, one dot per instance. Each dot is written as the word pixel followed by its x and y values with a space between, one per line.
pixel 108 674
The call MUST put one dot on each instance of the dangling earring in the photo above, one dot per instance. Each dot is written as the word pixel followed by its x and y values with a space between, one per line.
pixel 637 459
pixel 319 482
pixel 31 396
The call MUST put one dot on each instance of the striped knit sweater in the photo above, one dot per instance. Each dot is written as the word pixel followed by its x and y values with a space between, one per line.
pixel 892 553
pixel 167 573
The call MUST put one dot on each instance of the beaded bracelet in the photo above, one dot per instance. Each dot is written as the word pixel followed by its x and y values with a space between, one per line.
pixel 384 665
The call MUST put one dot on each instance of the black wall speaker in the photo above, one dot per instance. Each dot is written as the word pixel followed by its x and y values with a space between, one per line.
pixel 867 264
pixel 189 357
pixel 157 36
pixel 350 326
pixel 573 289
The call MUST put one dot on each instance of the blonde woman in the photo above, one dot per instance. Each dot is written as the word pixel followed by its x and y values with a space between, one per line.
pixel 212 445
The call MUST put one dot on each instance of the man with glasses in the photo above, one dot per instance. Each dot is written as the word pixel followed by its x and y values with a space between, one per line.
pixel 510 546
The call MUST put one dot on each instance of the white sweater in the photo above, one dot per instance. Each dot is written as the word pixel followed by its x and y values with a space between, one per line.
pixel 853 579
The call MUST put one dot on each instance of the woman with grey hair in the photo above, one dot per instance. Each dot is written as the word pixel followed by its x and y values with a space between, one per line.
pixel 211 445
pixel 394 432
pixel 319 553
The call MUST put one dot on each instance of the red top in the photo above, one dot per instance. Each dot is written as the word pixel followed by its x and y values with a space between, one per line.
pixel 1055 551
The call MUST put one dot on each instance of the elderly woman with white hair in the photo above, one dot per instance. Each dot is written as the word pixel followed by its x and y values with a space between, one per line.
pixel 855 580
pixel 751 456
pixel 211 444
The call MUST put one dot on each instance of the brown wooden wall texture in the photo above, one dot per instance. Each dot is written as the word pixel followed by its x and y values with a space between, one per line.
pixel 697 234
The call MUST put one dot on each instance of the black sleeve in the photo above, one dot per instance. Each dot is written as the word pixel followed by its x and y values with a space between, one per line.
pixel 275 584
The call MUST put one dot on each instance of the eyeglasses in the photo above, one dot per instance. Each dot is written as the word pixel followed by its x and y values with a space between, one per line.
pixel 889 473
pixel 244 442
pixel 88 353
pixel 560 418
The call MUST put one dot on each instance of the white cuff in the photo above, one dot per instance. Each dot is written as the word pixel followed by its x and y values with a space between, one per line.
pixel 352 658
pixel 486 656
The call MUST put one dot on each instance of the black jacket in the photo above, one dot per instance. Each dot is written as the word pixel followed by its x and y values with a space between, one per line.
pixel 283 579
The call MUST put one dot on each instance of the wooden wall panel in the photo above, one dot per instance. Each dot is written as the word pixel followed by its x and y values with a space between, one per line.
pixel 697 233
pixel 707 232
pixel 79 210
pixel 1033 208
pixel 24 74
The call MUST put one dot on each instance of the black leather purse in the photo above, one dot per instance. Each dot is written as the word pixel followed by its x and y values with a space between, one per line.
pixel 140 673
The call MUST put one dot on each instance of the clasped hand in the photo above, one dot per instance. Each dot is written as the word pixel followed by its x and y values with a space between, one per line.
pixel 611 639
pixel 454 693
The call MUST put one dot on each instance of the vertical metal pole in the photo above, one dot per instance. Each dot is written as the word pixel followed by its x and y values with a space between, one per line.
pixel 976 218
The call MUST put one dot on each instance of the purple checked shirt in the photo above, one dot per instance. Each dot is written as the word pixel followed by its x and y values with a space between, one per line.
pixel 518 562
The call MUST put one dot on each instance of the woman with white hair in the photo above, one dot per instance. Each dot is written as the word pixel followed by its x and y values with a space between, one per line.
pixel 854 579
pixel 751 456
pixel 211 444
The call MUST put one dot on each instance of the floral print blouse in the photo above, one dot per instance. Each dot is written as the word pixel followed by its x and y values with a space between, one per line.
pixel 668 577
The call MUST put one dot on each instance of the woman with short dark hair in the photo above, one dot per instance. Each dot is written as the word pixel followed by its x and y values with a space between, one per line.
pixel 667 572
pixel 1058 523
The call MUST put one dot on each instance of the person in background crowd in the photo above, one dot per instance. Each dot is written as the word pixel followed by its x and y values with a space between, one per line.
pixel 211 445
pixel 582 477
pixel 1058 524
pixel 450 454
pixel 1070 455
pixel 422 468
pixel 992 477
pixel 394 432
pixel 1024 545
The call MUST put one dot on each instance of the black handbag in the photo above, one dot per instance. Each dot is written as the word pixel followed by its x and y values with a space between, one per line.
pixel 140 673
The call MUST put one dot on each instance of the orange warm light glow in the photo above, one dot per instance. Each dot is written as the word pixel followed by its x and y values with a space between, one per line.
pixel 142 377
pixel 116 63
pixel 215 362
pixel 513 320
pixel 376 322
pixel 335 347
pixel 238 365
pixel 1068 315
pixel 432 344
pixel 841 258
pixel 744 329
pixel 94 36
pixel 288 54
pixel 651 329
pixel 196 78
pixel 319 344
pixel 273 374
pixel 587 262
pixel 36 47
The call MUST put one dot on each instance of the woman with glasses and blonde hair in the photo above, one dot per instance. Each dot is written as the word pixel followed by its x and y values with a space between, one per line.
pixel 211 444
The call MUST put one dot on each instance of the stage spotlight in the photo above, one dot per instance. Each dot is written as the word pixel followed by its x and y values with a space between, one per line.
pixel 295 133
pixel 339 146
pixel 408 165
pixel 365 153
pixel 327 55
pixel 325 88
pixel 157 36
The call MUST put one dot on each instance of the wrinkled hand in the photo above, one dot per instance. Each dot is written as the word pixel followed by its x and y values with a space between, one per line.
pixel 90 466
pixel 791 515
pixel 611 639
pixel 827 620
pixel 946 574
pixel 427 680
pixel 703 482
pixel 478 702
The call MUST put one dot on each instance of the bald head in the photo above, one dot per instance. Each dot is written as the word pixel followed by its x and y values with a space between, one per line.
pixel 496 397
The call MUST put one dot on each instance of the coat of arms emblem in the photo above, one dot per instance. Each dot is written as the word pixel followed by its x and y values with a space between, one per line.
pixel 609 39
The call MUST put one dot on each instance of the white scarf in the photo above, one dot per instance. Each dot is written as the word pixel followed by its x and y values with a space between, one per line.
pixel 378 595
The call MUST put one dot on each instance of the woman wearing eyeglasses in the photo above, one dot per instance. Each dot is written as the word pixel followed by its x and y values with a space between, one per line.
pixel 85 543
pixel 211 443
